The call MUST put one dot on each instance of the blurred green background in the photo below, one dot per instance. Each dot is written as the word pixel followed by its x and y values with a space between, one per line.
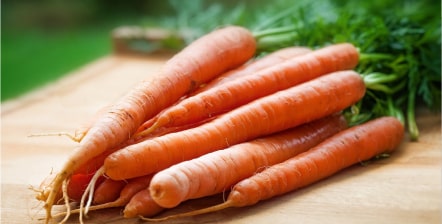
pixel 43 40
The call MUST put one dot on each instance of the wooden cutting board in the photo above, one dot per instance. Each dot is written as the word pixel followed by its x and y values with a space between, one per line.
pixel 405 188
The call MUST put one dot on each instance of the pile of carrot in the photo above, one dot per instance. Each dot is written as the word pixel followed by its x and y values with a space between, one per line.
pixel 217 119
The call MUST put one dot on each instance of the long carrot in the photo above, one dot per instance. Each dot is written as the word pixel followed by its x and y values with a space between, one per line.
pixel 96 162
pixel 285 109
pixel 190 179
pixel 223 98
pixel 198 63
pixel 344 149
pixel 244 70
pixel 273 58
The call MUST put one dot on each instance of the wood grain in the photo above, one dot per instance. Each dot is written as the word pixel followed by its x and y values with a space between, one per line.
pixel 405 188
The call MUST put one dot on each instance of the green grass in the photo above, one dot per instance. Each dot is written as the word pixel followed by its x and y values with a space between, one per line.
pixel 31 59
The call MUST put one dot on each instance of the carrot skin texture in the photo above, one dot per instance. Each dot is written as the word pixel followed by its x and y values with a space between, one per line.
pixel 218 171
pixel 221 50
pixel 275 78
pixel 249 69
pixel 244 70
pixel 285 109
pixel 142 204
pixel 356 144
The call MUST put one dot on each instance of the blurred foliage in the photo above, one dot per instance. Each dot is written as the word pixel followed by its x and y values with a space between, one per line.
pixel 42 40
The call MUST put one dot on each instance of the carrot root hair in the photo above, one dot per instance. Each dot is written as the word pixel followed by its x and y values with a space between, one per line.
pixel 89 193
pixel 113 204
pixel 66 200
pixel 77 137
pixel 214 208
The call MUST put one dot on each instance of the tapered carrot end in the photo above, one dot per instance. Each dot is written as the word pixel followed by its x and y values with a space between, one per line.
pixel 141 204
pixel 155 126
pixel 226 204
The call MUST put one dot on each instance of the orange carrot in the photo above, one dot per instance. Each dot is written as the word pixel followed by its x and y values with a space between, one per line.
pixel 291 72
pixel 250 68
pixel 344 149
pixel 96 162
pixel 142 204
pixel 244 70
pixel 285 109
pixel 189 179
pixel 107 191
pixel 198 63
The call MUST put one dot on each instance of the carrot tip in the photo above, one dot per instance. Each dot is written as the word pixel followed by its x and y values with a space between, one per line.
pixel 147 131
pixel 214 208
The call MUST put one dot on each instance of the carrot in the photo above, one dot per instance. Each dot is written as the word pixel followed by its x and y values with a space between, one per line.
pixel 189 179
pixel 198 63
pixel 342 150
pixel 108 191
pixel 243 90
pixel 254 66
pixel 142 204
pixel 244 70
pixel 285 109
pixel 129 190
pixel 144 132
pixel 96 162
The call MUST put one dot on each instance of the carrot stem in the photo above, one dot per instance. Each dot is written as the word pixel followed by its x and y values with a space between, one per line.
pixel 270 22
pixel 274 31
pixel 275 41
pixel 374 56
pixel 411 120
